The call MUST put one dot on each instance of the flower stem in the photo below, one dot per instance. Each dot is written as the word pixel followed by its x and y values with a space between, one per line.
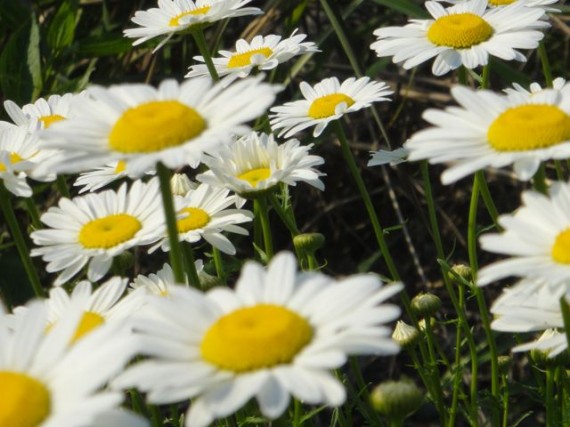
pixel 205 51
pixel 487 198
pixel 265 227
pixel 190 266
pixel 175 254
pixel 545 64
pixel 33 212
pixel 10 218
pixel 62 186
pixel 219 263
pixel 539 180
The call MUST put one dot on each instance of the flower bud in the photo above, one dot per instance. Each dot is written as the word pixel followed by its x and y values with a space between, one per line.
pixel 308 243
pixel 405 335
pixel 461 270
pixel 180 184
pixel 396 399
pixel 425 305
pixel 542 356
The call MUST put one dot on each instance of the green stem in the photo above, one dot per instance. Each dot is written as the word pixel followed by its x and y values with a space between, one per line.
pixel 565 309
pixel 545 64
pixel 33 212
pixel 190 265
pixel 487 198
pixel 205 51
pixel 62 186
pixel 284 215
pixel 265 227
pixel 549 398
pixel 175 254
pixel 539 180
pixel 297 412
pixel 505 387
pixel 485 76
pixel 18 237
pixel 434 371
pixel 219 263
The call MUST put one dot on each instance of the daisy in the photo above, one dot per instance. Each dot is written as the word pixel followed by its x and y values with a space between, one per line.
pixel 100 177
pixel 44 382
pixel 536 236
pixel 175 16
pixel 494 130
pixel 17 150
pixel 205 217
pixel 263 53
pixel 464 34
pixel 286 332
pixel 174 124
pixel 42 113
pixel 328 100
pixel 162 282
pixel 517 90
pixel 532 305
pixel 94 228
pixel 501 3
pixel 256 163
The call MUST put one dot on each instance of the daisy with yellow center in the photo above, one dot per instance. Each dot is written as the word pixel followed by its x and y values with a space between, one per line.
pixel 203 214
pixel 161 282
pixel 255 163
pixel 286 332
pixel 462 35
pixel 142 125
pixel 528 3
pixel 17 154
pixel 98 178
pixel 328 100
pixel 42 113
pixel 536 237
pixel 495 130
pixel 262 53
pixel 45 382
pixel 176 16
pixel 93 229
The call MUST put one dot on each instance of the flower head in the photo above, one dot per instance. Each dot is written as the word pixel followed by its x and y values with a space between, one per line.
pixel 328 100
pixel 286 331
pixel 464 34
pixel 42 113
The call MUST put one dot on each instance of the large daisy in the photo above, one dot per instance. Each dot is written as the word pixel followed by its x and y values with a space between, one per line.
pixel 328 100
pixel 464 34
pixel 286 332
pixel 203 214
pixel 175 16
pixel 45 382
pixel 495 130
pixel 173 124
pixel 255 163
pixel 94 228
pixel 263 53
pixel 536 236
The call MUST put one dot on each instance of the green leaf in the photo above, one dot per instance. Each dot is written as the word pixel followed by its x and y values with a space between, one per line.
pixel 20 64
pixel 108 44
pixel 405 6
pixel 61 30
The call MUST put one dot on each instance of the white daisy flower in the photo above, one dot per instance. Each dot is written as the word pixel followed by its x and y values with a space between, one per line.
pixel 494 130
pixel 263 53
pixel 256 163
pixel 536 236
pixel 501 3
pixel 517 90
pixel 464 34
pixel 175 16
pixel 45 382
pixel 94 228
pixel 174 124
pixel 328 100
pixel 42 113
pixel 286 332
pixel 203 214
pixel 161 282
pixel 532 305
pixel 17 158
pixel 385 157
pixel 100 177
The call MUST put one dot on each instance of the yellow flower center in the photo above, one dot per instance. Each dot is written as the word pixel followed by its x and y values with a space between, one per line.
pixel 49 120
pixel 561 249
pixel 174 22
pixel 501 2
pixel 25 401
pixel 256 337
pixel 242 59
pixel 89 321
pixel 14 158
pixel 121 166
pixel 459 31
pixel 254 176
pixel 325 105
pixel 197 218
pixel 529 127
pixel 155 126
pixel 109 231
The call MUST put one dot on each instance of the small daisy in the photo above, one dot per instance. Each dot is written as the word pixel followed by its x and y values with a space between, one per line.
pixel 501 3
pixel 98 178
pixel 162 282
pixel 517 90
pixel 532 305
pixel 256 163
pixel 174 124
pixel 44 382
pixel 175 16
pixel 494 130
pixel 328 100
pixel 536 236
pixel 206 217
pixel 263 53
pixel 286 332
pixel 464 34
pixel 17 151
pixel 94 228
pixel 42 113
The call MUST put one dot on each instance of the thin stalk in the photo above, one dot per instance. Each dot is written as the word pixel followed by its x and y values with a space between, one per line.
pixel 559 170
pixel 175 254
pixel 62 186
pixel 434 371
pixel 545 64
pixel 33 212
pixel 549 398
pixel 137 403
pixel 219 263
pixel 18 237
pixel 485 76
pixel 539 180
pixel 458 372
pixel 190 265
pixel 297 412
pixel 487 198
pixel 284 215
pixel 505 387
pixel 200 40
pixel 155 417
pixel 265 227
pixel 565 309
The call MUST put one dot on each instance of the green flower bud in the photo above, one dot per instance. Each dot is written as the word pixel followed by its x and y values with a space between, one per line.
pixel 308 243
pixel 504 362
pixel 208 281
pixel 425 305
pixel 396 399
pixel 461 270
pixel 405 335
pixel 542 356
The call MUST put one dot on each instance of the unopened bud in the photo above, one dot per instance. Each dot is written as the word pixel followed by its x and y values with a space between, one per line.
pixel 461 270
pixel 542 357
pixel 425 305
pixel 308 243
pixel 422 323
pixel 180 184
pixel 405 335
pixel 396 399
pixel 504 363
